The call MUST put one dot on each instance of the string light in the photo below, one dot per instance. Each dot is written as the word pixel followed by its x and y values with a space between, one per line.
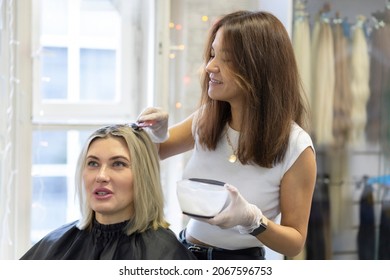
pixel 186 80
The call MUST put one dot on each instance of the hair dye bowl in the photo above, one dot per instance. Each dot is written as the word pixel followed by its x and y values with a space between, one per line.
pixel 201 197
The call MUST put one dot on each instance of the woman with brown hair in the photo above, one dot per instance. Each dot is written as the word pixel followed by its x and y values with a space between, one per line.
pixel 248 133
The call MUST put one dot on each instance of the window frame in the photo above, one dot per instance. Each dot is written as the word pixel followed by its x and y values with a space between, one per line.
pixel 129 90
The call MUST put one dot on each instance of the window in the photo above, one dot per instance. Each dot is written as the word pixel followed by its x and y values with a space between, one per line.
pixel 82 73
pixel 54 158
pixel 87 73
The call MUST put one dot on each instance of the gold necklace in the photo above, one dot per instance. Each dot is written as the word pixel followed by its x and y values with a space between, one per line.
pixel 232 157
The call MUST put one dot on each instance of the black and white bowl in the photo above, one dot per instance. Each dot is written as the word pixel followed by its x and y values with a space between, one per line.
pixel 202 198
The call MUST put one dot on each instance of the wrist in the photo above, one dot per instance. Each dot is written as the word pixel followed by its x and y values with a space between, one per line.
pixel 263 224
pixel 157 137
pixel 257 221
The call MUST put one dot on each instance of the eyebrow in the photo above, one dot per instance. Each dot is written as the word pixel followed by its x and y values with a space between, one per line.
pixel 224 50
pixel 111 158
pixel 120 157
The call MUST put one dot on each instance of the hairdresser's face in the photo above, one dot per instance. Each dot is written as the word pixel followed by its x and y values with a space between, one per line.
pixel 108 180
pixel 221 86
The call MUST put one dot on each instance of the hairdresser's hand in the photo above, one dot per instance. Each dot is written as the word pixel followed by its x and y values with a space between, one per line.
pixel 238 213
pixel 155 122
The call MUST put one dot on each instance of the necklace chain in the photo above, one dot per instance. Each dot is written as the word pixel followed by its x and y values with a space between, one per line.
pixel 232 157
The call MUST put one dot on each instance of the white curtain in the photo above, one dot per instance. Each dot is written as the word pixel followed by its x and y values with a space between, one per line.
pixel 7 127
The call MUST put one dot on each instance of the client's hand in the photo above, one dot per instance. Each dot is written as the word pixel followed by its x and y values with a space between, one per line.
pixel 238 213
pixel 155 122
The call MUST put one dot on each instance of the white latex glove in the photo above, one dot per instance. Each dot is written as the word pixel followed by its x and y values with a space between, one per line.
pixel 155 122
pixel 238 213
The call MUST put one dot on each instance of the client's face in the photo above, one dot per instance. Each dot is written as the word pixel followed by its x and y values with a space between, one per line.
pixel 108 180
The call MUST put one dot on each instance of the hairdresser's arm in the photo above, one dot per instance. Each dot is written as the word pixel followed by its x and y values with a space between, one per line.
pixel 296 194
pixel 180 139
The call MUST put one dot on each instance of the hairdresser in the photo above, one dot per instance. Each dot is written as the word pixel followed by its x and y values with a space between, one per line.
pixel 249 131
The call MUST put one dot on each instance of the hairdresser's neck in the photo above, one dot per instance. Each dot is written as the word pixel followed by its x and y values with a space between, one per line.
pixel 235 122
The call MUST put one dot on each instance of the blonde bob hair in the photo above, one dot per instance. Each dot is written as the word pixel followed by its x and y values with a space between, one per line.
pixel 145 165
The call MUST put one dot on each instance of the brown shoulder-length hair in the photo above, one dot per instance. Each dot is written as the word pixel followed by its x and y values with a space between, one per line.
pixel 264 67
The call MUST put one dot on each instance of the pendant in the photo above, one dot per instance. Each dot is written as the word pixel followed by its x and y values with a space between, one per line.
pixel 233 158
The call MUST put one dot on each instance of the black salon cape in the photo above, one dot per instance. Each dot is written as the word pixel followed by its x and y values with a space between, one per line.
pixel 108 242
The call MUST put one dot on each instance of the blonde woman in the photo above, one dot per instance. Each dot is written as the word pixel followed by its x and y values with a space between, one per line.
pixel 121 202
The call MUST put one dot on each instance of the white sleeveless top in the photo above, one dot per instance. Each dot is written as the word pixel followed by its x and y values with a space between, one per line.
pixel 258 185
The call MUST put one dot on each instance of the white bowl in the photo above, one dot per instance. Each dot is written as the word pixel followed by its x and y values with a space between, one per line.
pixel 201 197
